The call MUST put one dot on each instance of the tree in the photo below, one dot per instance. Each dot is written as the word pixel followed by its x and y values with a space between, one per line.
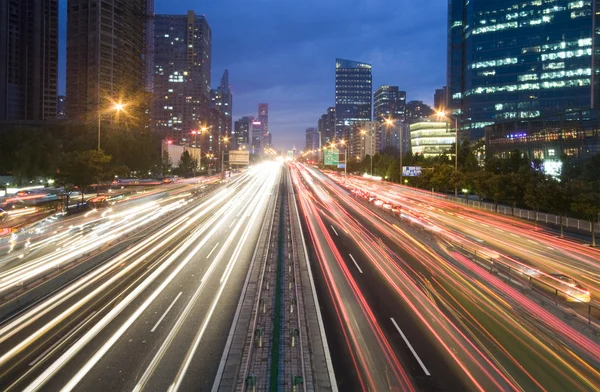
pixel 166 163
pixel 187 164
pixel 441 177
pixel 84 168
pixel 493 186
pixel 558 200
pixel 586 202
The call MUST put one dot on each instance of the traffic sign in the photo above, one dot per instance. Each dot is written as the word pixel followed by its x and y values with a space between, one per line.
pixel 332 157
pixel 411 171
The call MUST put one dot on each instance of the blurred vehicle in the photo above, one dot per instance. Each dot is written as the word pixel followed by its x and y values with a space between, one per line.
pixel 99 201
pixel 3 215
pixel 525 268
pixel 568 288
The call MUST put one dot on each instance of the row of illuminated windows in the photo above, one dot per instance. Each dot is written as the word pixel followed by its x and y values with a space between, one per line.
pixel 530 86
pixel 514 24
pixel 513 115
pixel 494 63
pixel 567 54
pixel 556 75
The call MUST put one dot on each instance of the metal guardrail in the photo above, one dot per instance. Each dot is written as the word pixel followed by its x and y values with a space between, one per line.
pixel 579 224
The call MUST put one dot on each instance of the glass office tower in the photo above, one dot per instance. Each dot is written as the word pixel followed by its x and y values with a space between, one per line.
pixel 511 59
pixel 353 95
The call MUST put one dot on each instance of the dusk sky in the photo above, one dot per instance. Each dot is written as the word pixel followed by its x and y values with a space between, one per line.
pixel 283 52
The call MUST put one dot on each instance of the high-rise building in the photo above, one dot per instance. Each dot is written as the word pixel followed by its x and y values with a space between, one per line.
pixel 517 60
pixel 440 99
pixel 242 133
pixel 222 100
pixel 28 59
pixel 257 137
pixel 353 95
pixel 182 95
pixel 263 118
pixel 106 48
pixel 312 139
pixel 417 111
pixel 365 140
pixel 326 126
pixel 389 103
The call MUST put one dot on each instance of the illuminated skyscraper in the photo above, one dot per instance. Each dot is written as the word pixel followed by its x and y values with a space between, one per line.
pixel 389 103
pixel 28 59
pixel 106 49
pixel 510 59
pixel 182 64
pixel 353 95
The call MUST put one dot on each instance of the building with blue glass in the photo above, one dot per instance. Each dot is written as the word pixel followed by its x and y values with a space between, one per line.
pixel 511 60
pixel 353 95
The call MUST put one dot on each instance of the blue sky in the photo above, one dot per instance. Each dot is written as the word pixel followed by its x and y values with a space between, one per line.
pixel 283 51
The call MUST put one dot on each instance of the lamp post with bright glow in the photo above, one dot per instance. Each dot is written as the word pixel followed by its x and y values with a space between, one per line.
pixel 449 118
pixel 117 107
pixel 391 122
pixel 225 139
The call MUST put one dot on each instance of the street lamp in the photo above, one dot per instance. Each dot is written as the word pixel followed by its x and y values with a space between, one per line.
pixel 116 107
pixel 343 143
pixel 391 122
pixel 449 118
pixel 224 139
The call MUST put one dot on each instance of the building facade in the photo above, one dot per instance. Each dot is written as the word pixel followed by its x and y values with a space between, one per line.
pixel 510 60
pixel 28 59
pixel 242 133
pixel 222 100
pixel 326 126
pixel 440 99
pixel 574 135
pixel 263 118
pixel 182 62
pixel 311 139
pixel 431 139
pixel 353 95
pixel 389 103
pixel 417 111
pixel 61 102
pixel 106 48
pixel 365 140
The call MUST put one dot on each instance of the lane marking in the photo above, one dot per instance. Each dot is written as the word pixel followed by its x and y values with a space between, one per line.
pixel 333 228
pixel 165 313
pixel 356 264
pixel 514 235
pixel 232 223
pixel 412 350
pixel 500 230
pixel 42 355
pixel 533 242
pixel 484 225
pixel 213 249
pixel 550 248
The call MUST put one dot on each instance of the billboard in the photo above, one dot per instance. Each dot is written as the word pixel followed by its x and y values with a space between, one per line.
pixel 239 157
pixel 332 157
pixel 411 171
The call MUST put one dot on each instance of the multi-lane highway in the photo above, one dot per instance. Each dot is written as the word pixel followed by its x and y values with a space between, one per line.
pixel 152 314
pixel 142 295
pixel 409 311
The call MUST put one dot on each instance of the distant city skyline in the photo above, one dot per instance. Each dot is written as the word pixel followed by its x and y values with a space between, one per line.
pixel 292 71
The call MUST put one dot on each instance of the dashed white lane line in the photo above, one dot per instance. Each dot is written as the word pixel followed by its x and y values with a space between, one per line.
pixel 533 242
pixel 232 223
pixel 165 313
pixel 336 233
pixel 213 249
pixel 356 264
pixel 412 350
